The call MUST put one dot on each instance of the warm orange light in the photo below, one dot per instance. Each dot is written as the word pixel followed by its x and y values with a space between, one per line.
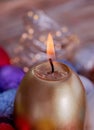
pixel 50 47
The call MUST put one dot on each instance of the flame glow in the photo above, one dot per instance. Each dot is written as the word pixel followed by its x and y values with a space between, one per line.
pixel 50 47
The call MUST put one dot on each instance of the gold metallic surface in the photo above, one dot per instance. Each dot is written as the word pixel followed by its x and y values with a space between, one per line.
pixel 59 104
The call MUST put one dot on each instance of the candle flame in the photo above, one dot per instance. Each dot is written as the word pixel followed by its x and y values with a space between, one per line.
pixel 50 47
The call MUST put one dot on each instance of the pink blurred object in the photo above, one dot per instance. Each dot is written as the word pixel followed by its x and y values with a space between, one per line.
pixel 22 124
pixel 4 58
pixel 6 126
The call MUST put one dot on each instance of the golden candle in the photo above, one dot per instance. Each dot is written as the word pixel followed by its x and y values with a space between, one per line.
pixel 51 100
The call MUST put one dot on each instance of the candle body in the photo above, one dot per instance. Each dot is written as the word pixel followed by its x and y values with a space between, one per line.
pixel 51 105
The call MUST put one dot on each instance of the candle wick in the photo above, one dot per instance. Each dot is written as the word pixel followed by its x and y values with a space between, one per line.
pixel 52 66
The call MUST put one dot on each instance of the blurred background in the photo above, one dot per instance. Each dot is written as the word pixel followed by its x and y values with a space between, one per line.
pixel 76 15
pixel 73 24
pixel 24 26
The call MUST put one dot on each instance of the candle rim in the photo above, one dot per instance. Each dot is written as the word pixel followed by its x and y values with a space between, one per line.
pixel 47 79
